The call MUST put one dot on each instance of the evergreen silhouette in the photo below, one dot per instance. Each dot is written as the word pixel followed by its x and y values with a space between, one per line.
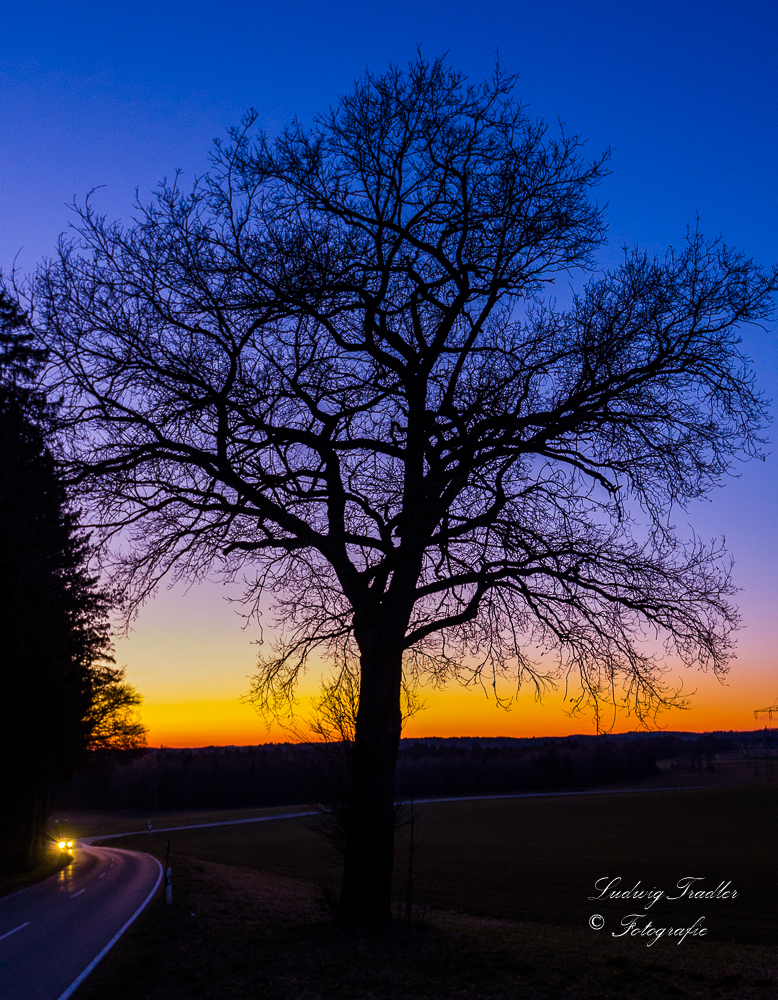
pixel 57 672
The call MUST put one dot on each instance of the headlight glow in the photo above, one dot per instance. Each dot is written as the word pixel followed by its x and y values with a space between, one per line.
pixel 61 845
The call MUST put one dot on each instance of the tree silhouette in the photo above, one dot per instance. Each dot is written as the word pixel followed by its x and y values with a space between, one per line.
pixel 60 692
pixel 335 361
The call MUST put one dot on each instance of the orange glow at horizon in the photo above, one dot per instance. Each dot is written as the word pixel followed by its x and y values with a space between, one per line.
pixel 191 661
pixel 457 712
pixel 211 723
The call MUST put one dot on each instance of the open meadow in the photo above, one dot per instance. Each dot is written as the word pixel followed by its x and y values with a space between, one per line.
pixel 500 903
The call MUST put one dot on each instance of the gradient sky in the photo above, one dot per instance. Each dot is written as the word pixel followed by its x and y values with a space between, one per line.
pixel 684 93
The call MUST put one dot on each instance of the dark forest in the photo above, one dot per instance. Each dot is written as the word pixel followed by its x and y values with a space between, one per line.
pixel 285 774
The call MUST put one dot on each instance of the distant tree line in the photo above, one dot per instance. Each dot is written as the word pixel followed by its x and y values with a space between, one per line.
pixel 285 774
pixel 480 769
pixel 672 745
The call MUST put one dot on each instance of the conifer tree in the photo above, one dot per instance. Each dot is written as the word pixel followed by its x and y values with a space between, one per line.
pixel 61 692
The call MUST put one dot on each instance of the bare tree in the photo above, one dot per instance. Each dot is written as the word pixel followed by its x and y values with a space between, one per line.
pixel 335 360
pixel 331 728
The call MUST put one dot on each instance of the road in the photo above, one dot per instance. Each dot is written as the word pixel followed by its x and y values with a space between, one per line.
pixel 55 932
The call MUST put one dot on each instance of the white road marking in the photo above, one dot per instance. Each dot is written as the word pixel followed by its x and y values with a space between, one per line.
pixel 77 982
pixel 74 894
pixel 9 933
pixel 101 876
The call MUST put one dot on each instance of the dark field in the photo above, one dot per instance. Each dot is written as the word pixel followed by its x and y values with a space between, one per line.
pixel 80 823
pixel 500 907
pixel 539 858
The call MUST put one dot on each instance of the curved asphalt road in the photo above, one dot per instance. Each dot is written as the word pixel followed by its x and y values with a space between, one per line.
pixel 55 932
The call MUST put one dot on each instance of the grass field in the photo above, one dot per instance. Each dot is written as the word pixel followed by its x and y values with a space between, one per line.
pixel 539 859
pixel 507 882
pixel 78 823
pixel 239 934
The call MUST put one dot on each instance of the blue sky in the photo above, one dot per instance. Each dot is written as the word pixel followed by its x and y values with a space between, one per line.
pixel 684 93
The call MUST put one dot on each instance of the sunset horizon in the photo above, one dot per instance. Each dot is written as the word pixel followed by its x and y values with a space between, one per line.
pixel 389 499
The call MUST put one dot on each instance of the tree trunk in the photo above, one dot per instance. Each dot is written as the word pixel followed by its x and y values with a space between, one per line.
pixel 22 828
pixel 369 821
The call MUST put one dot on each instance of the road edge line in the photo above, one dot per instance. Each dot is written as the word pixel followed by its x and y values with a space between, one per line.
pixel 97 840
pixel 77 982
pixel 9 933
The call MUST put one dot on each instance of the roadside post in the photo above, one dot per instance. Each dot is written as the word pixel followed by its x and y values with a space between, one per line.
pixel 168 876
